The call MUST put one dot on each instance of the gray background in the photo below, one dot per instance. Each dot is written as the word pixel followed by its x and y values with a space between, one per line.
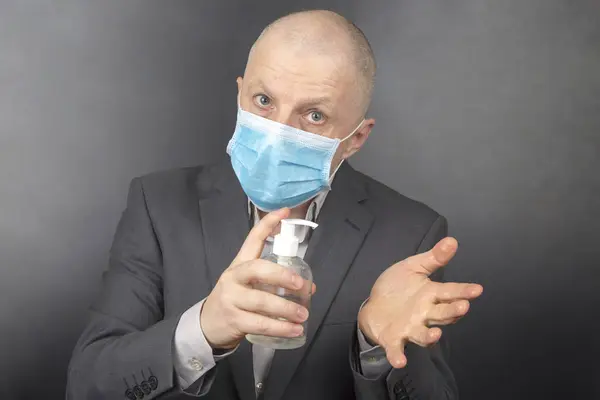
pixel 487 110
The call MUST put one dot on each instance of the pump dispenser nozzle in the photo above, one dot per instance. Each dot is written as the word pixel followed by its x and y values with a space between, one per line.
pixel 286 242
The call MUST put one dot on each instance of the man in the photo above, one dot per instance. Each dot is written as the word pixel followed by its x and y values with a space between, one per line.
pixel 178 298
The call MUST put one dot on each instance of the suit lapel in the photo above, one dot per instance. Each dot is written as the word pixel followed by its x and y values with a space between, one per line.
pixel 343 225
pixel 225 225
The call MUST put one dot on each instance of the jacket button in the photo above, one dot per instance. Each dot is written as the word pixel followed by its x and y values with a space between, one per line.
pixel 130 395
pixel 138 392
pixel 401 390
pixel 153 381
pixel 145 387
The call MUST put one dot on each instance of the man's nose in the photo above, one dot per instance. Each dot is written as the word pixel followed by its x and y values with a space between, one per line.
pixel 285 115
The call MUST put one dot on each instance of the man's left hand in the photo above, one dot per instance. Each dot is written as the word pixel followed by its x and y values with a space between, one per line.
pixel 405 303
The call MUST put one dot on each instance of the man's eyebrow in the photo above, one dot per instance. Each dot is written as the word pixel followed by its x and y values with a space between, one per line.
pixel 258 83
pixel 321 101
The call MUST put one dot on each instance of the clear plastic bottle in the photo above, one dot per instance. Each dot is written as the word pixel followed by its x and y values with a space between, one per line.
pixel 285 250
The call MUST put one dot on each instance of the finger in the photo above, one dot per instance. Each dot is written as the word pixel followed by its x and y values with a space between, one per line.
pixel 269 273
pixel 424 336
pixel 396 357
pixel 432 260
pixel 257 301
pixel 444 322
pixel 394 351
pixel 447 311
pixel 257 324
pixel 451 291
pixel 254 243
pixel 393 339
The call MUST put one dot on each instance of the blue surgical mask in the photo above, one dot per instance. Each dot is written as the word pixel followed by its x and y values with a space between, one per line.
pixel 277 165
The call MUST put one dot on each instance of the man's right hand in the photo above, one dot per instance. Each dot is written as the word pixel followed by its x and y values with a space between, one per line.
pixel 234 309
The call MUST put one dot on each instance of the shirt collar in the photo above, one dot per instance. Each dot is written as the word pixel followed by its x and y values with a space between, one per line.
pixel 311 214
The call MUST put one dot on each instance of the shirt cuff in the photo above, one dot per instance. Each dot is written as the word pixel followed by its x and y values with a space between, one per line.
pixel 193 355
pixel 373 360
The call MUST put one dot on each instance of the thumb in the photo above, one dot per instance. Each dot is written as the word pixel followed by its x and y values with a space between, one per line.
pixel 254 243
pixel 440 255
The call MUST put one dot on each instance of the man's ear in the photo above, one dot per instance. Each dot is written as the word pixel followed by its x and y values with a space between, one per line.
pixel 359 138
pixel 239 82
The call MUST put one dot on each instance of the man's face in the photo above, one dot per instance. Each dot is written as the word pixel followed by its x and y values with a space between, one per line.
pixel 315 93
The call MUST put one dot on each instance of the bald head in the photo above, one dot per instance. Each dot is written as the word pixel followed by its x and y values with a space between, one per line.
pixel 313 71
pixel 324 33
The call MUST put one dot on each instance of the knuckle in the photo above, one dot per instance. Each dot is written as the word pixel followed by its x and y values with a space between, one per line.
pixel 289 307
pixel 262 325
pixel 441 311
pixel 430 296
pixel 383 340
pixel 229 313
pixel 247 267
pixel 420 340
pixel 230 319
pixel 449 313
pixel 389 338
pixel 259 301
pixel 227 275
pixel 227 297
pixel 285 275
pixel 260 268
pixel 283 327
pixel 457 307
pixel 424 335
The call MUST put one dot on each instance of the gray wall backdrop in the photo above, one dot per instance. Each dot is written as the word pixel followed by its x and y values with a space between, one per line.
pixel 487 110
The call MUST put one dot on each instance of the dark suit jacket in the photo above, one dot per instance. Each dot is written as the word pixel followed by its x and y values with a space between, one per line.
pixel 182 228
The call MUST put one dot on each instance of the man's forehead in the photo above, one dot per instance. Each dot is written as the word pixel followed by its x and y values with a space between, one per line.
pixel 298 59
pixel 294 70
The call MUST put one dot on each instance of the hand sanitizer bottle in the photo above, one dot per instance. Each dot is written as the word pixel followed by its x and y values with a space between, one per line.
pixel 285 253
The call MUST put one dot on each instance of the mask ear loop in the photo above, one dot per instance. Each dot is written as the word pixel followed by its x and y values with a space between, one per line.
pixel 347 137
pixel 354 131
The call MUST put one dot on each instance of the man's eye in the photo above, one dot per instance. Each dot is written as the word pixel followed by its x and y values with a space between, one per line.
pixel 262 100
pixel 316 116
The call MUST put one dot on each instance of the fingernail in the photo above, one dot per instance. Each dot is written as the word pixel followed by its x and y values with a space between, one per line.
pixel 477 290
pixel 302 313
pixel 448 245
pixel 399 363
pixel 282 211
pixel 298 329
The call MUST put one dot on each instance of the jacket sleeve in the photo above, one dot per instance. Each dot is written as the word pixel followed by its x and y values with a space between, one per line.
pixel 126 349
pixel 427 375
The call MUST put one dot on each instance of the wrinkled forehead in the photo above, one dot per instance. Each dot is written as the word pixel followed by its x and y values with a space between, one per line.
pixel 292 73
